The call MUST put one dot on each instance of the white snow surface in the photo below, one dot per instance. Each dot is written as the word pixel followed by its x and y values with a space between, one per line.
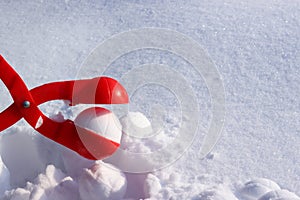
pixel 255 47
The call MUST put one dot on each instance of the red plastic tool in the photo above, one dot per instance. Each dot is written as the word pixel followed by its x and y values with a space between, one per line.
pixel 100 90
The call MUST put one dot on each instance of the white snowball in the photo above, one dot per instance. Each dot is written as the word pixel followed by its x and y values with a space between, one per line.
pixel 136 124
pixel 100 121
pixel 102 181
pixel 258 187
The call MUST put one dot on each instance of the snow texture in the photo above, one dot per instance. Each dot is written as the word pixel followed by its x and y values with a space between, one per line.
pixel 102 181
pixel 255 47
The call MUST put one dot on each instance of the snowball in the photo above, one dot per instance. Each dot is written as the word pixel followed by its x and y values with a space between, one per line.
pixel 258 187
pixel 133 148
pixel 102 181
pixel 101 121
pixel 136 124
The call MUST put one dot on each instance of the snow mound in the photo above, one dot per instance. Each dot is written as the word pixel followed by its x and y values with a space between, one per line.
pixel 72 177
pixel 17 194
pixel 140 143
pixel 202 187
pixel 218 193
pixel 102 181
pixel 53 184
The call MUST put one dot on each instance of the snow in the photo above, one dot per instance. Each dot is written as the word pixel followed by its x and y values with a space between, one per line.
pixel 255 48
pixel 4 177
pixel 75 177
pixel 102 181
pixel 152 186
pixel 257 188
pixel 136 123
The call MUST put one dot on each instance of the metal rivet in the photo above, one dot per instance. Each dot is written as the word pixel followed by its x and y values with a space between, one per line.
pixel 26 104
